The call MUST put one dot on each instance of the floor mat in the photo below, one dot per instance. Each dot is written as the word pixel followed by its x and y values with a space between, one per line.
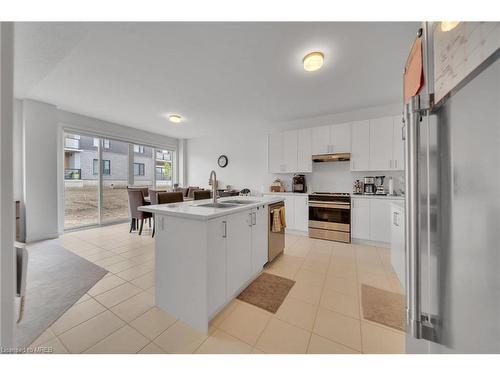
pixel 56 279
pixel 267 292
pixel 382 306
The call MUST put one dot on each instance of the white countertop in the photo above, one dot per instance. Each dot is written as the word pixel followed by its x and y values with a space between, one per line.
pixel 192 209
pixel 283 193
pixel 388 197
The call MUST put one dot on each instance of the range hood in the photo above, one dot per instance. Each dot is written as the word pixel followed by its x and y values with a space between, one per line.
pixel 343 156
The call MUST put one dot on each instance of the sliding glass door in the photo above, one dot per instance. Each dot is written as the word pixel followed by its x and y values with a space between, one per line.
pixel 97 172
pixel 81 181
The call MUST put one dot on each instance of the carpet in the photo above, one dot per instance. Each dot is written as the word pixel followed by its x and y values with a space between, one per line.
pixel 383 307
pixel 56 279
pixel 267 292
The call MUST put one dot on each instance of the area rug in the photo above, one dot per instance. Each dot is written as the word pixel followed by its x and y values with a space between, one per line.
pixel 267 292
pixel 56 279
pixel 383 307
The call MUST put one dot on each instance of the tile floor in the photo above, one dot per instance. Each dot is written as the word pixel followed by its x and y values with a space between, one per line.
pixel 321 314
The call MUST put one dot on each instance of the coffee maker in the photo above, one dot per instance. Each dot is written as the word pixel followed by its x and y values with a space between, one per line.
pixel 299 183
pixel 379 184
pixel 369 184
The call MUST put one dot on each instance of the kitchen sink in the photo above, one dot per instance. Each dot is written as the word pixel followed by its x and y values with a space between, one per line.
pixel 217 205
pixel 240 201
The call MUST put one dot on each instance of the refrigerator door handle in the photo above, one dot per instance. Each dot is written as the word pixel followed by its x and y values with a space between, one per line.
pixel 412 258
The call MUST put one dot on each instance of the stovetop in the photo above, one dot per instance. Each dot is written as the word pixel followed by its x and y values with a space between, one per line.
pixel 331 194
pixel 330 197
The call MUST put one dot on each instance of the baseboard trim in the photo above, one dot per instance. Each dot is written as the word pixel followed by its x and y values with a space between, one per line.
pixel 359 241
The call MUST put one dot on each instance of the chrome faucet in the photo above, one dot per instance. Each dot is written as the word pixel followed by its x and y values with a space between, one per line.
pixel 214 185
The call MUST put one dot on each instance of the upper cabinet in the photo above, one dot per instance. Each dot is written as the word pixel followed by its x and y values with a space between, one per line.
pixel 275 153
pixel 360 146
pixel 381 134
pixel 290 151
pixel 304 150
pixel 331 139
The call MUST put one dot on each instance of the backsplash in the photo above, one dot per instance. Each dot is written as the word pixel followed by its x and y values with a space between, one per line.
pixel 337 177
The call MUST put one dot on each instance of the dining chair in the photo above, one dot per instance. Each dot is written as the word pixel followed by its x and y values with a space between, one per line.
pixel 167 197
pixel 135 200
pixel 201 194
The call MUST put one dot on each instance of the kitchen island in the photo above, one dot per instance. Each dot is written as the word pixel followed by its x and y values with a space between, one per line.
pixel 205 255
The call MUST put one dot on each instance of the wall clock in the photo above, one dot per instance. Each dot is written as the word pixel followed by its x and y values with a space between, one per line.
pixel 222 161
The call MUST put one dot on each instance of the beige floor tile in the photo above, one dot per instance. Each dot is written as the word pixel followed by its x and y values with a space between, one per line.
pixel 315 265
pixel 151 290
pixel 342 270
pixel 346 285
pixel 105 284
pixel 145 281
pixel 219 318
pixel 322 256
pixel 122 266
pixel 280 337
pixel 222 343
pixel 77 314
pixel 153 322
pixel 102 254
pixel 298 313
pixel 117 295
pixel 320 345
pixel 297 251
pixel 306 292
pixel 376 280
pixel 47 335
pixel 152 348
pixel 126 340
pixel 284 270
pixel 134 307
pixel 246 323
pixel 256 351
pixel 57 346
pixel 364 268
pixel 84 298
pixel 307 276
pixel 180 338
pixel 338 328
pixel 109 261
pixel 89 333
pixel 378 340
pixel 339 302
pixel 134 272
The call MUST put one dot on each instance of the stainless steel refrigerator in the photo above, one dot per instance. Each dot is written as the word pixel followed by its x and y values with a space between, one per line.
pixel 452 140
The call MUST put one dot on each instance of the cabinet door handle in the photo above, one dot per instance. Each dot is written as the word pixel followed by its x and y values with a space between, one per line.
pixel 254 218
pixel 390 164
pixel 224 229
pixel 250 219
pixel 396 164
pixel 395 219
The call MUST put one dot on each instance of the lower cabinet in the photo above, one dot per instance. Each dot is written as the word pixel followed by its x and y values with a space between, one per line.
pixel 371 219
pixel 237 250
pixel 296 211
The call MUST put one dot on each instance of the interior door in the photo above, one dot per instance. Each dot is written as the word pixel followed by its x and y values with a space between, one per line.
pixel 239 260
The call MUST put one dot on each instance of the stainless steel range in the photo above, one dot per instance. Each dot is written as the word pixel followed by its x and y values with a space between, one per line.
pixel 330 216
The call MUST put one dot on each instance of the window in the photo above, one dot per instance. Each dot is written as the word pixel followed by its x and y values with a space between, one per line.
pixel 106 143
pixel 139 149
pixel 96 142
pixel 106 167
pixel 138 169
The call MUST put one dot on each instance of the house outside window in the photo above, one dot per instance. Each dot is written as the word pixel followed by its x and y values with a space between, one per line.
pixel 96 142
pixel 105 142
pixel 138 149
pixel 138 169
pixel 106 167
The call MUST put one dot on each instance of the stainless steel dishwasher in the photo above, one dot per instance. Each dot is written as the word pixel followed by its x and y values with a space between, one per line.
pixel 276 241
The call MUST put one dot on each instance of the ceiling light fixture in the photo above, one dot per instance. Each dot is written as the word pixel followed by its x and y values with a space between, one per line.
pixel 448 25
pixel 313 61
pixel 175 119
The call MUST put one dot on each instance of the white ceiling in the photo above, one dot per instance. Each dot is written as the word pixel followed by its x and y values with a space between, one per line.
pixel 218 76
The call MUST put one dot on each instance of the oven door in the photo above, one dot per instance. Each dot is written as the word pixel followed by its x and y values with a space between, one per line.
pixel 330 216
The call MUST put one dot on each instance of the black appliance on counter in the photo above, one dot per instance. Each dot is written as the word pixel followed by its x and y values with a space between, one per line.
pixel 299 183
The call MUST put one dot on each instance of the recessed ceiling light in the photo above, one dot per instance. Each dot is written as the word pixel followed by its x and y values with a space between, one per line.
pixel 313 61
pixel 449 25
pixel 175 119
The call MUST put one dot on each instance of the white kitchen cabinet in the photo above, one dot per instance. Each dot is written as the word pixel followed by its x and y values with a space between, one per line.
pixel 304 151
pixel 360 146
pixel 239 258
pixel 259 238
pixel 290 211
pixel 301 213
pixel 290 151
pixel 398 145
pixel 380 220
pixel 381 135
pixel 360 219
pixel 216 241
pixel 340 138
pixel 320 140
pixel 275 153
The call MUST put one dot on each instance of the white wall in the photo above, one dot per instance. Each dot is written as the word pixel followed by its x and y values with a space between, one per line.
pixel 247 153
pixel 40 144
